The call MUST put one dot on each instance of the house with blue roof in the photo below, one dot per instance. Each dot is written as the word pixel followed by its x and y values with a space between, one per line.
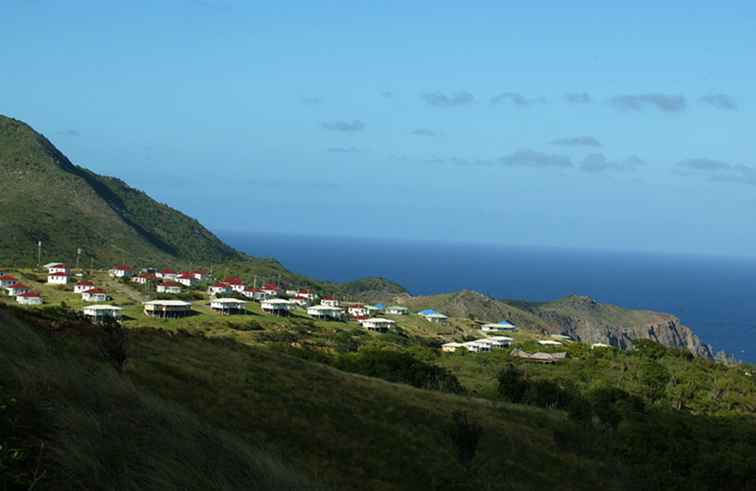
pixel 501 326
pixel 433 316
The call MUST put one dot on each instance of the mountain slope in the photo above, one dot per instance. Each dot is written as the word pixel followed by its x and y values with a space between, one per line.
pixel 45 197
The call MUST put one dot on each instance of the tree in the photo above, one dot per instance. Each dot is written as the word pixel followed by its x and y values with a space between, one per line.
pixel 465 435
pixel 113 344
pixel 512 384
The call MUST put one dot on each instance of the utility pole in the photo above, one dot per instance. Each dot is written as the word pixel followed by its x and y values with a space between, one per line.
pixel 39 253
pixel 78 256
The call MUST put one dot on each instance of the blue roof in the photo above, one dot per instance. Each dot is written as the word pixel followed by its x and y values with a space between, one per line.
pixel 428 312
pixel 379 306
pixel 506 324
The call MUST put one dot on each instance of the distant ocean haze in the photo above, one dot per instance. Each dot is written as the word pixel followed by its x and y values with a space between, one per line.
pixel 714 296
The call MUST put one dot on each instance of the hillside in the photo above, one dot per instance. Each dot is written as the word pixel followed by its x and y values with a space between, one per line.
pixel 46 197
pixel 581 318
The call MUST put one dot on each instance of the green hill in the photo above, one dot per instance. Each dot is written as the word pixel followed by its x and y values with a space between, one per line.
pixel 46 197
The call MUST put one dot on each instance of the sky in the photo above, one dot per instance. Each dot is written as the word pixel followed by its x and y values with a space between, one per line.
pixel 571 124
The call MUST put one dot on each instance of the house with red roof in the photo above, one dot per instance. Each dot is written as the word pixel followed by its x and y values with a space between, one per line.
pixel 95 295
pixel 357 311
pixel 56 268
pixel 306 295
pixel 83 286
pixel 7 280
pixel 169 286
pixel 186 279
pixel 58 278
pixel 121 271
pixel 235 283
pixel 29 298
pixel 166 274
pixel 330 302
pixel 17 289
pixel 256 294
pixel 218 289
pixel 272 289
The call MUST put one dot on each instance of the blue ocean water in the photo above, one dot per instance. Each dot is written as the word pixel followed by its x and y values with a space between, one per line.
pixel 716 297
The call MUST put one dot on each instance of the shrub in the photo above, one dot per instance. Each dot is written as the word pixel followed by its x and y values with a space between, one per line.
pixel 465 435
pixel 512 384
pixel 113 344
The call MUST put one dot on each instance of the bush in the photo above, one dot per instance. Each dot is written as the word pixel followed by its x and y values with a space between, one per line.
pixel 512 384
pixel 398 366
pixel 465 436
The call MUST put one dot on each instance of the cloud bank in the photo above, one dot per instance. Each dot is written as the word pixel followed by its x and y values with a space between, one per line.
pixel 456 99
pixel 343 126
pixel 720 101
pixel 577 141
pixel 516 99
pixel 667 103
pixel 718 171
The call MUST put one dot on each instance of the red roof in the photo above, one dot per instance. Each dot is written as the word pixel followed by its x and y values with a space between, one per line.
pixel 220 285
pixel 169 283
pixel 85 283
pixel 248 289
pixel 30 294
pixel 186 276
pixel 271 286
pixel 8 277
pixel 96 290
pixel 59 273
pixel 18 286
pixel 122 267
pixel 168 271
pixel 233 280
pixel 357 306
pixel 57 265
pixel 305 292
pixel 329 298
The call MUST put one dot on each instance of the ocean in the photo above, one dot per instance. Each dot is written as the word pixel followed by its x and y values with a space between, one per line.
pixel 714 296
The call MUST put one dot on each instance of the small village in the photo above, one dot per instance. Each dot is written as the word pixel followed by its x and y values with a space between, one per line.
pixel 232 296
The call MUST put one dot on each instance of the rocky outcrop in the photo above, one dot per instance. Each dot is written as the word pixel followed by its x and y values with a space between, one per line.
pixel 592 322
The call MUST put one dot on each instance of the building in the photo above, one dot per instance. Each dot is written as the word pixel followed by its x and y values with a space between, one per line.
pixel 57 278
pixel 330 302
pixel 102 313
pixel 539 357
pixel 83 286
pixel 549 342
pixel 169 287
pixel 497 342
pixel 199 275
pixel 95 295
pixel 17 289
pixel 325 312
pixel 29 298
pixel 561 337
pixel 167 309
pixel 501 326
pixel 56 268
pixel 374 309
pixel 357 311
pixel 397 310
pixel 276 306
pixel 166 274
pixel 235 283
pixel 186 279
pixel 451 347
pixel 218 289
pixel 7 280
pixel 377 324
pixel 256 294
pixel 433 316
pixel 228 306
pixel 120 271
pixel 306 295
pixel 272 289
pixel 304 303
pixel 600 345
pixel 477 346
pixel 144 278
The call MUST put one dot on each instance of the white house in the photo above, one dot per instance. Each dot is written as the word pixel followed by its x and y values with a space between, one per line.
pixel 166 274
pixel 497 342
pixel 199 275
pixel 29 298
pixel 329 302
pixel 7 280
pixel 272 289
pixel 120 271
pixel 377 324
pixel 374 309
pixel 451 347
pixel 433 316
pixel 477 346
pixel 235 283
pixel 144 278
pixel 561 337
pixel 17 289
pixel 397 310
pixel 167 309
pixel 83 286
pixel 325 312
pixel 227 306
pixel 168 286
pixel 95 295
pixel 357 311
pixel 600 345
pixel 277 306
pixel 302 302
pixel 307 295
pixel 502 326
pixel 186 279
pixel 549 342
pixel 218 289
pixel 57 278
pixel 56 268
pixel 256 294
pixel 100 313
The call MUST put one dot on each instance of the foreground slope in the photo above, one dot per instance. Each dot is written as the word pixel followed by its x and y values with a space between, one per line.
pixel 46 197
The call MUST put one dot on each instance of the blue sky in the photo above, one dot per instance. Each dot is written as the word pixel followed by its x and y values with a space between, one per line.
pixel 577 125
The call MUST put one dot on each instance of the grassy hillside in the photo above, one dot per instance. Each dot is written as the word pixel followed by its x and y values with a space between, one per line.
pixel 45 197
pixel 192 412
